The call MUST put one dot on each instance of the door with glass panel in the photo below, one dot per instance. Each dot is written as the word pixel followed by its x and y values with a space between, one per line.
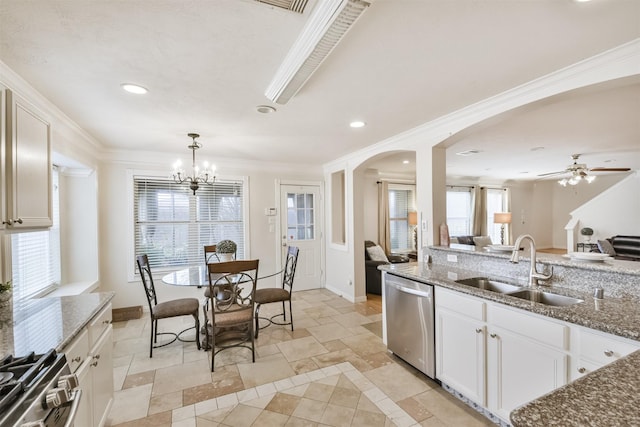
pixel 301 226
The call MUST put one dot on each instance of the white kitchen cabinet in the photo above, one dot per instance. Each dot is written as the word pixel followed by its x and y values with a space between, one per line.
pixel 597 349
pixel 497 356
pixel 461 344
pixel 90 356
pixel 520 369
pixel 26 174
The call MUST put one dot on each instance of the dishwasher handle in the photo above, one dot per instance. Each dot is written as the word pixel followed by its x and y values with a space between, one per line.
pixel 426 294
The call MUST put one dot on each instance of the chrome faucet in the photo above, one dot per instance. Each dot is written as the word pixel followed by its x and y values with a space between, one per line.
pixel 534 276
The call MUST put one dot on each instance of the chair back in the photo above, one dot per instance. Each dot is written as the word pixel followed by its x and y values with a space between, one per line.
pixel 290 268
pixel 147 280
pixel 232 285
pixel 210 254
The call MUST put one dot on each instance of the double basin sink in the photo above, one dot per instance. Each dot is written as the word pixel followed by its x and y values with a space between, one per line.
pixel 516 291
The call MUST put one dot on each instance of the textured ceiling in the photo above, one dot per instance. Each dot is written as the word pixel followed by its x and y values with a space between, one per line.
pixel 207 63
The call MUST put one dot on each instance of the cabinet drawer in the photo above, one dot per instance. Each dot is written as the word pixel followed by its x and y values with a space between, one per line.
pixel 531 326
pixel 77 351
pixel 99 324
pixel 455 301
pixel 604 349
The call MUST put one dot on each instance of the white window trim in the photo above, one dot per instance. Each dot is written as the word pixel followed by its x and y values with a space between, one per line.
pixel 132 272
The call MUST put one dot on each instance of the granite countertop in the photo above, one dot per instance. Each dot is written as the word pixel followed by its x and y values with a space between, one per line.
pixel 609 396
pixel 618 316
pixel 41 324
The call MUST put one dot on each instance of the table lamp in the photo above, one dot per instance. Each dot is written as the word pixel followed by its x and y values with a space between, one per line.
pixel 413 221
pixel 502 218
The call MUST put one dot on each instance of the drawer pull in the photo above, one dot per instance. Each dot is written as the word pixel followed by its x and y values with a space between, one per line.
pixel 76 359
pixel 582 370
pixel 478 330
pixel 608 353
pixel 106 322
pixel 493 335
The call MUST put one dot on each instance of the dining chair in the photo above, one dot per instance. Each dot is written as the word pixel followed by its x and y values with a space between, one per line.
pixel 210 254
pixel 281 294
pixel 232 286
pixel 166 309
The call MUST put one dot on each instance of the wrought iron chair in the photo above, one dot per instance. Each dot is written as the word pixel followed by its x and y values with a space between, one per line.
pixel 232 286
pixel 210 254
pixel 282 294
pixel 167 309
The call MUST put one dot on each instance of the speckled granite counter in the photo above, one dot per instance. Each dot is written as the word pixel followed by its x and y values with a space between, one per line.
pixel 609 396
pixel 42 324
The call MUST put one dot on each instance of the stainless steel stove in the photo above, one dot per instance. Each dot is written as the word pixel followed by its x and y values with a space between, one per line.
pixel 37 390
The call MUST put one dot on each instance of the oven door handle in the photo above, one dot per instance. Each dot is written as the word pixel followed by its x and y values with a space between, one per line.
pixel 77 396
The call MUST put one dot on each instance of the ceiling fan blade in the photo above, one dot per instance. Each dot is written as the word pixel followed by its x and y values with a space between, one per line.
pixel 610 169
pixel 552 173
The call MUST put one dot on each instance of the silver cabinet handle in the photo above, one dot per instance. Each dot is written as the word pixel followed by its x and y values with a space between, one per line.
pixel 493 335
pixel 19 220
pixel 478 330
pixel 582 370
pixel 608 353
pixel 13 221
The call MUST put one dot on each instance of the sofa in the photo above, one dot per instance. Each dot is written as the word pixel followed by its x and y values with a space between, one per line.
pixel 621 247
pixel 373 276
pixel 480 241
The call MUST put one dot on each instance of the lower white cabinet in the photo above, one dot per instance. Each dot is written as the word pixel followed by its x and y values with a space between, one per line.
pixel 90 356
pixel 497 365
pixel 597 349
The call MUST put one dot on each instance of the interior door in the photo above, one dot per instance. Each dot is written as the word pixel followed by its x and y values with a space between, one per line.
pixel 301 226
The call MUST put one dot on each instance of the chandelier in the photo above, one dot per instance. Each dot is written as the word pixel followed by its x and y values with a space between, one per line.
pixel 197 177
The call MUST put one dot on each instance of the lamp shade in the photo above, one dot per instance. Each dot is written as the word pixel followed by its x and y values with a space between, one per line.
pixel 413 218
pixel 502 218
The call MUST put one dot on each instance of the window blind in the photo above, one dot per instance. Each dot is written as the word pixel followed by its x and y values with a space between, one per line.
pixel 459 211
pixel 35 256
pixel 172 226
pixel 400 202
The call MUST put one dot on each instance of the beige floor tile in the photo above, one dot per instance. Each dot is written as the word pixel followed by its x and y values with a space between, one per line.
pixel 303 365
pixel 368 419
pixel 211 389
pixel 271 419
pixel 242 416
pixel 309 409
pixel 162 358
pixel 130 404
pixel 266 369
pixel 136 380
pixel 156 420
pixel 318 391
pixel 301 348
pixel 283 403
pixel 364 344
pixel 300 422
pixel 351 320
pixel 415 409
pixel 337 416
pixel 450 410
pixel 347 397
pixel 119 375
pixel 165 402
pixel 397 382
pixel 182 376
pixel 329 332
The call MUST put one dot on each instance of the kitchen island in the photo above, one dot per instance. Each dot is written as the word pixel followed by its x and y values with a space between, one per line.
pixel 597 396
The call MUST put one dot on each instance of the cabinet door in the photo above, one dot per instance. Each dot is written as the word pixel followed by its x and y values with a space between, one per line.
pixel 102 373
pixel 27 166
pixel 3 160
pixel 460 349
pixel 520 370
pixel 84 416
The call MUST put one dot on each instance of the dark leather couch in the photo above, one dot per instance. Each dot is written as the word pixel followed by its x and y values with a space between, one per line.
pixel 372 274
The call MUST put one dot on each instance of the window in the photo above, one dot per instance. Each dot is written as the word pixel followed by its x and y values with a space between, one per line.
pixel 401 201
pixel 35 256
pixel 300 216
pixel 459 211
pixel 171 225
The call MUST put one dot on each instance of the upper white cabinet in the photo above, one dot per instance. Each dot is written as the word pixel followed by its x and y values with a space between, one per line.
pixel 26 165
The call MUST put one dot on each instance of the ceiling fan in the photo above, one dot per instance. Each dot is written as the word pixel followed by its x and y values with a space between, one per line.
pixel 580 171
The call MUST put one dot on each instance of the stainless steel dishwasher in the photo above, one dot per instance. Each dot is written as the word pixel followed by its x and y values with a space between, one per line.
pixel 410 322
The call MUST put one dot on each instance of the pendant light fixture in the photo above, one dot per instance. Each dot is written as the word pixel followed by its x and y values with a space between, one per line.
pixel 197 177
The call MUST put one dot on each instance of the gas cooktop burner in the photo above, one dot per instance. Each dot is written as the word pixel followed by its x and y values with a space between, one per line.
pixel 25 380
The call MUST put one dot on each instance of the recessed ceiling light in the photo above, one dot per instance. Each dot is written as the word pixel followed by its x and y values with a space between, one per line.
pixel 537 148
pixel 357 124
pixel 132 88
pixel 468 152
pixel 405 162
pixel 265 109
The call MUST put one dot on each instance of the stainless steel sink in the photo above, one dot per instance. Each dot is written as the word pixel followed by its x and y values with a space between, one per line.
pixel 545 297
pixel 489 285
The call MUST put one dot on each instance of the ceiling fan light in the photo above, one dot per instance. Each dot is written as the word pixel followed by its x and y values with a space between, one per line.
pixel 574 181
pixel 563 182
pixel 590 178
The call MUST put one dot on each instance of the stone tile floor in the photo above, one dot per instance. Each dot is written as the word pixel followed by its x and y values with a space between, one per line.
pixel 333 370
